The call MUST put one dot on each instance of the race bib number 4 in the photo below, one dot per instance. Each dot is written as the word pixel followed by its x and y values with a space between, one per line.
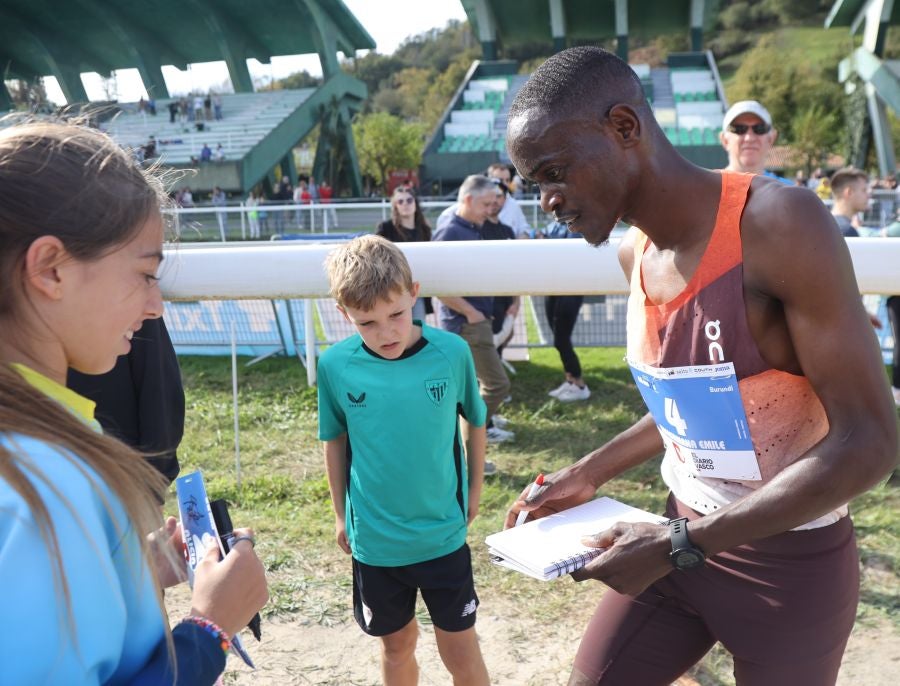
pixel 699 413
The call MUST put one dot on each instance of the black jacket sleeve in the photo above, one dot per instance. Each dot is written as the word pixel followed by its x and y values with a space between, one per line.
pixel 141 400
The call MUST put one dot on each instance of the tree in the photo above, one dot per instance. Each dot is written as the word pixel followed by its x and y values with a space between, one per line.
pixel 816 133
pixel 786 84
pixel 442 88
pixel 386 143
pixel 299 79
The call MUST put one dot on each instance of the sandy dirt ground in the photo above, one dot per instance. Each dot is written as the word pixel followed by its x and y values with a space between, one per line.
pixel 518 651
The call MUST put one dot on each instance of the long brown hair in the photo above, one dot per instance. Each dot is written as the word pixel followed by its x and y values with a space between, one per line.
pixel 72 182
pixel 421 227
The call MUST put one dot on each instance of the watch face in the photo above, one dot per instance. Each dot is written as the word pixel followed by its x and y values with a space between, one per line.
pixel 686 559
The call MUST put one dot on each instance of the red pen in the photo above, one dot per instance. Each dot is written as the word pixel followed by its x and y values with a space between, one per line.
pixel 531 493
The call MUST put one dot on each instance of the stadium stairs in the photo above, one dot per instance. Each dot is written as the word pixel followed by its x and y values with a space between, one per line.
pixel 256 131
pixel 686 95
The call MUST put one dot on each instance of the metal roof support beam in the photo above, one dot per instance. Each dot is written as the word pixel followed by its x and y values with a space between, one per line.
pixel 487 29
pixel 289 167
pixel 558 25
pixel 326 37
pixel 336 137
pixel 144 47
pixel 6 102
pixel 622 29
pixel 352 164
pixel 20 67
pixel 882 89
pixel 698 7
pixel 881 132
pixel 62 58
pixel 56 45
pixel 877 18
pixel 152 76
pixel 235 44
pixel 70 83
pixel 139 41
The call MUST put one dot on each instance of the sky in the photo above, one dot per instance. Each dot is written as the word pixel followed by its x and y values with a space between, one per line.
pixel 389 22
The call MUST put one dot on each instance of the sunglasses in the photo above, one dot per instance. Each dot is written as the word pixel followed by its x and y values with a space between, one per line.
pixel 760 129
pixel 405 201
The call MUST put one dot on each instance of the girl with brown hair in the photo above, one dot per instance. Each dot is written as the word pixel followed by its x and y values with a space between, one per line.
pixel 81 236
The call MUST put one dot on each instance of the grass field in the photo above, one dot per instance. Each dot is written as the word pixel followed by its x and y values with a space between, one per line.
pixel 284 494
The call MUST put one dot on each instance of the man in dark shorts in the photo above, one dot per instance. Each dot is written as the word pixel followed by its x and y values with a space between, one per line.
pixel 764 382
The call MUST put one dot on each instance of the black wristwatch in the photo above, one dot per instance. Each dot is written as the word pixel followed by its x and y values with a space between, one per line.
pixel 684 555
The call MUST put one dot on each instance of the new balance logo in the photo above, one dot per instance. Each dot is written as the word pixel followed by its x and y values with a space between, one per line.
pixel 469 608
pixel 436 389
pixel 357 401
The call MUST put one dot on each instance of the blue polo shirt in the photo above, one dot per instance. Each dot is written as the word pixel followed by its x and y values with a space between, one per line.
pixel 461 230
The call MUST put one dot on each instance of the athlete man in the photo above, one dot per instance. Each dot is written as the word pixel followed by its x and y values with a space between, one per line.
pixel 756 359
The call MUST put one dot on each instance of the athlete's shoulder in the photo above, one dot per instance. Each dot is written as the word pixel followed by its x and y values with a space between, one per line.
pixel 784 214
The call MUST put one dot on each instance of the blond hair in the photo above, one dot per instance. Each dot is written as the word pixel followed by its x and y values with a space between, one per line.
pixel 74 183
pixel 365 270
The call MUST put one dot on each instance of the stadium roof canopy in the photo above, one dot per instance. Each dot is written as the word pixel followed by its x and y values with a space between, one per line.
pixel 500 24
pixel 65 39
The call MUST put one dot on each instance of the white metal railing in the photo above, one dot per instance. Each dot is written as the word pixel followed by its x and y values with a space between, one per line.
pixel 288 270
pixel 315 217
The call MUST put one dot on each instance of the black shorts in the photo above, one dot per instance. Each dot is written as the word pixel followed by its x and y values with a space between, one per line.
pixel 384 598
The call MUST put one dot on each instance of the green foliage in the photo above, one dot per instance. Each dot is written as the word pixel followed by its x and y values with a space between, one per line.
pixel 437 48
pixel 815 133
pixel 792 10
pixel 786 83
pixel 384 143
pixel 738 16
pixel 374 70
pixel 299 79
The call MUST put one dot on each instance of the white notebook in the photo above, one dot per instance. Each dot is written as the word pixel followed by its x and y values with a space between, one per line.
pixel 549 547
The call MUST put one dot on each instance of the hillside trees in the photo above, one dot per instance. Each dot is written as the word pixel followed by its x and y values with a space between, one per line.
pixel 384 143
pixel 806 102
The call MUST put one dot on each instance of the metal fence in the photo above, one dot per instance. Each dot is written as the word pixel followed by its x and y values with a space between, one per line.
pixel 233 222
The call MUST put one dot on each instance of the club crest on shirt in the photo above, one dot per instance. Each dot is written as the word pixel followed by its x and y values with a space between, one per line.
pixel 436 389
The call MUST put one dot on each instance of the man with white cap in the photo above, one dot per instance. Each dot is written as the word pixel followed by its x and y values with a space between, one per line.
pixel 747 136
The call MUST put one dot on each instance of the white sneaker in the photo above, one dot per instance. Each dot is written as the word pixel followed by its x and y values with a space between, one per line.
pixel 568 395
pixel 556 391
pixel 489 468
pixel 497 435
pixel 499 422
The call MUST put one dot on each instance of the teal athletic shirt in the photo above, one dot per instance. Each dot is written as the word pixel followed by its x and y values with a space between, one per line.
pixel 407 485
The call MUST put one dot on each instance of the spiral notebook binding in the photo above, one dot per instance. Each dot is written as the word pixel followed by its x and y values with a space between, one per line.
pixel 567 565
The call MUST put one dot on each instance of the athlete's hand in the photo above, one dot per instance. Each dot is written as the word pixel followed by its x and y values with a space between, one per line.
pixel 637 555
pixel 560 491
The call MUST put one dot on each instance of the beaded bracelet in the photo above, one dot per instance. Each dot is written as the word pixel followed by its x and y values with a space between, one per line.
pixel 211 628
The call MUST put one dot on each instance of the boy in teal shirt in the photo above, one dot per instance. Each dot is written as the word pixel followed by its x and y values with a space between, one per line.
pixel 402 485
